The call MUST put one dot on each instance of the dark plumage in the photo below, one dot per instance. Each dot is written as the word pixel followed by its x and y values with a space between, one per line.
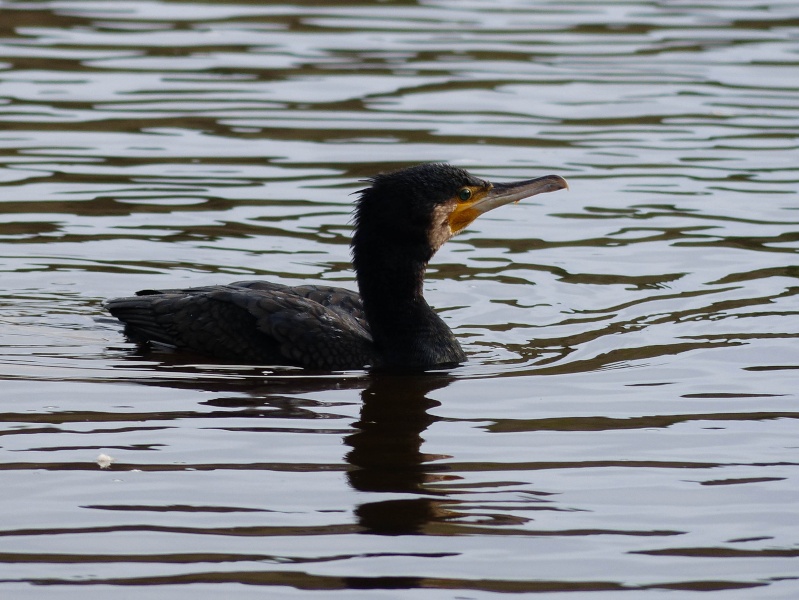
pixel 400 222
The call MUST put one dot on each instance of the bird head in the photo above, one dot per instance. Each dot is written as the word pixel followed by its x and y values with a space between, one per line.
pixel 425 205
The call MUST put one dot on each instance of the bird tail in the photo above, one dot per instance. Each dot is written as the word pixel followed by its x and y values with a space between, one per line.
pixel 141 321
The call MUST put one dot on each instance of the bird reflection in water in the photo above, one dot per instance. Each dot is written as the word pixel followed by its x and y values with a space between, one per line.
pixel 386 453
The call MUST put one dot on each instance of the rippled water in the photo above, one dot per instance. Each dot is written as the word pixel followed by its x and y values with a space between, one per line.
pixel 627 418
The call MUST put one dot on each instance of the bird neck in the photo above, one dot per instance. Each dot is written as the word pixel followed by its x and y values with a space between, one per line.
pixel 407 333
pixel 392 292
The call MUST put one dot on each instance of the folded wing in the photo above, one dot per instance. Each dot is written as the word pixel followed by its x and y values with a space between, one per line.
pixel 316 327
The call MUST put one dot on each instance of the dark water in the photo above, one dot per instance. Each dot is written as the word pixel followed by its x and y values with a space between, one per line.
pixel 627 422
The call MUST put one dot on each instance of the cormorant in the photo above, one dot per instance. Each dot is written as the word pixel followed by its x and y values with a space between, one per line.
pixel 401 220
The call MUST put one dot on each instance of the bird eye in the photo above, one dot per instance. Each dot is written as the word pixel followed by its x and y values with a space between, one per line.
pixel 465 194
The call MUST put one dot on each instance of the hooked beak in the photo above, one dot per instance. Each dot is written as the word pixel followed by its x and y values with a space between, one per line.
pixel 503 193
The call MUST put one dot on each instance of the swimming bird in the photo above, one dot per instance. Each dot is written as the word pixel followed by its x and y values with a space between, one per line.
pixel 400 220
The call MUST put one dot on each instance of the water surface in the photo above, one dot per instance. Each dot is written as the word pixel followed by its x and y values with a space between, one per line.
pixel 626 423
